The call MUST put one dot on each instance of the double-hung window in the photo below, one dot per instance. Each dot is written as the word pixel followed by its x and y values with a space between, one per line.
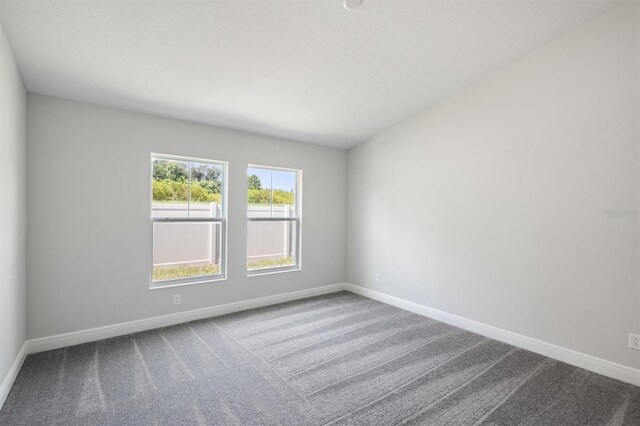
pixel 273 219
pixel 188 219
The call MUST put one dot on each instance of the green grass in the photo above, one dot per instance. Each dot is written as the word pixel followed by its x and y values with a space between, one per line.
pixel 160 274
pixel 270 263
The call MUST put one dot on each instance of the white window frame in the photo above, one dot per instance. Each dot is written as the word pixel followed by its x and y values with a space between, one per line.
pixel 222 220
pixel 297 266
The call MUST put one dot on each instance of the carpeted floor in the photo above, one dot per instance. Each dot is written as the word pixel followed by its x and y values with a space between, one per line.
pixel 333 359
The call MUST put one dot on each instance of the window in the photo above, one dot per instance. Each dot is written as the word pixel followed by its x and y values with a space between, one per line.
pixel 188 219
pixel 273 219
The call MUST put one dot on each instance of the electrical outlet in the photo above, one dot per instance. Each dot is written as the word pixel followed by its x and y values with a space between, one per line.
pixel 377 278
pixel 176 299
pixel 634 341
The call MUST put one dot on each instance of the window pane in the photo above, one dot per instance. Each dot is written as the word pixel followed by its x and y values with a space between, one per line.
pixel 270 191
pixel 205 190
pixel 259 192
pixel 170 181
pixel 271 244
pixel 284 189
pixel 185 250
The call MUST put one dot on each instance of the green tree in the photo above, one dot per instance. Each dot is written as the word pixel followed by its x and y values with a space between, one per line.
pixel 208 177
pixel 175 171
pixel 253 182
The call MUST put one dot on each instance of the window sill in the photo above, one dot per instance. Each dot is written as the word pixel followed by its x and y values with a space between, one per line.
pixel 171 284
pixel 261 272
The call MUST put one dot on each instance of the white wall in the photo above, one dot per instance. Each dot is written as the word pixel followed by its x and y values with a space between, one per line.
pixel 88 267
pixel 12 209
pixel 491 205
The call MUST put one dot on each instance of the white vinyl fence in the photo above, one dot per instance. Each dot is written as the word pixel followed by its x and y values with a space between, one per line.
pixel 270 240
pixel 198 244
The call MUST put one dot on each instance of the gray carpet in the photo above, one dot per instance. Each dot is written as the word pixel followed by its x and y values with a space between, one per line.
pixel 333 359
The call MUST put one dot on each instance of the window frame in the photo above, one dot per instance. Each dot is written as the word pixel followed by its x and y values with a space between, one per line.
pixel 297 266
pixel 222 220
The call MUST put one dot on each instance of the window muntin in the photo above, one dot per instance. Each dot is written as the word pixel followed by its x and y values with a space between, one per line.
pixel 188 215
pixel 273 219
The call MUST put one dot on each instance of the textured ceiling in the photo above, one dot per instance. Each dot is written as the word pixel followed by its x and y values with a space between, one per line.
pixel 305 70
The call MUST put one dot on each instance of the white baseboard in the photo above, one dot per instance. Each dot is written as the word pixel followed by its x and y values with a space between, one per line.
pixel 578 359
pixel 90 335
pixel 5 387
pixel 588 362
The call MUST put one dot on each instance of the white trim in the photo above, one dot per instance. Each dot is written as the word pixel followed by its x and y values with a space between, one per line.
pixel 270 271
pixel 90 335
pixel 588 362
pixel 203 279
pixel 578 359
pixel 12 374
